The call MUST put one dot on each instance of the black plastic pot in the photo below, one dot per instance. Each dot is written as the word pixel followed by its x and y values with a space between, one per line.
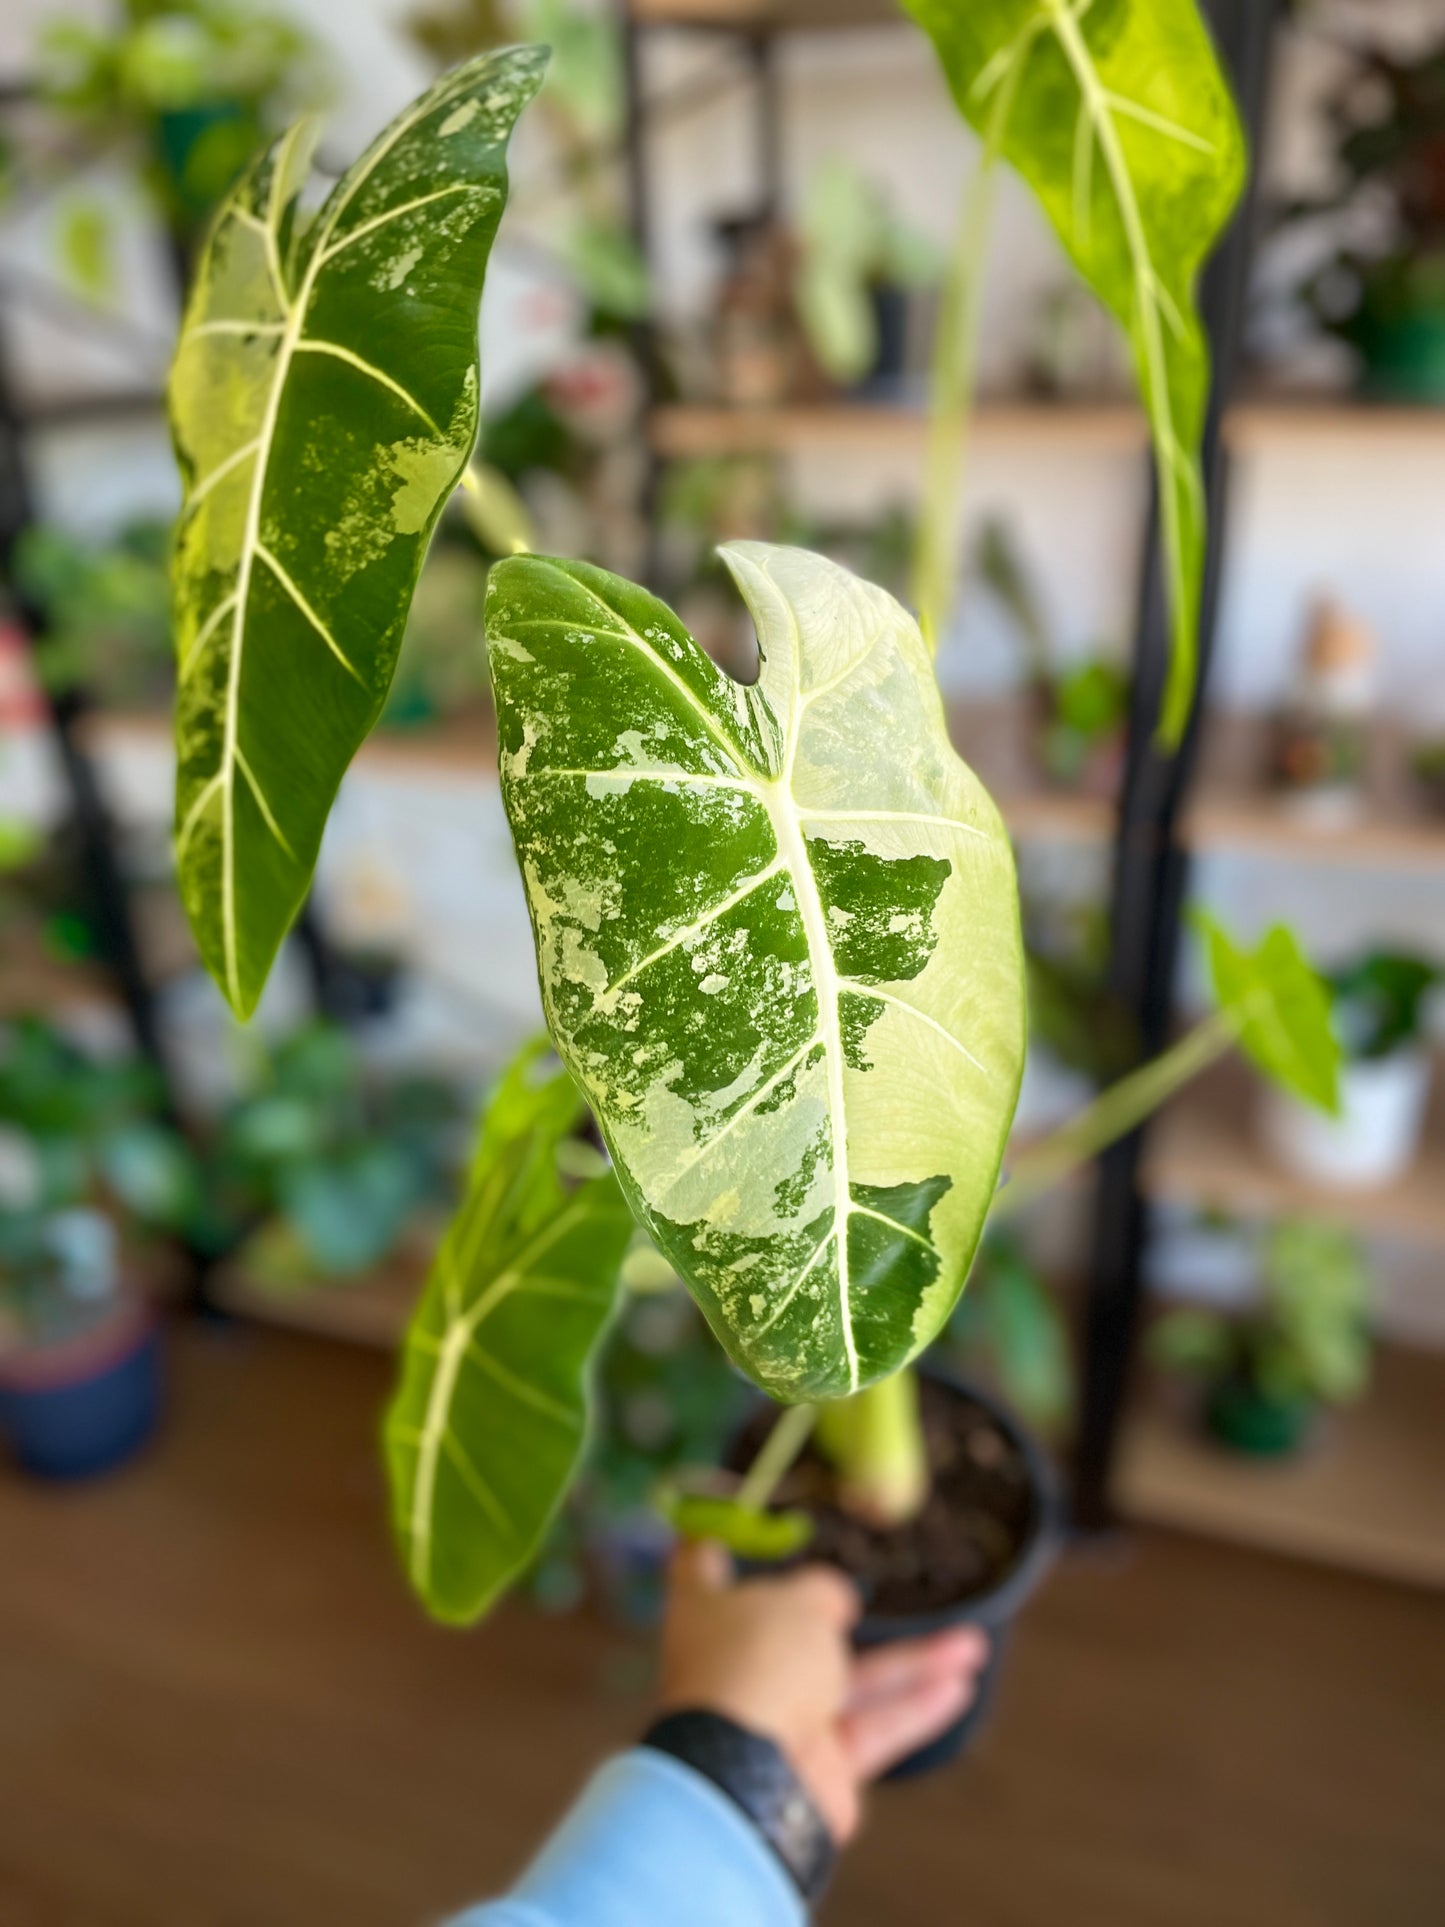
pixel 997 1608
pixel 994 1610
pixel 1247 1420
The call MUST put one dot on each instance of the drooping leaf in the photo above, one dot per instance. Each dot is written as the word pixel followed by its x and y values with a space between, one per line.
pixel 1116 114
pixel 778 939
pixel 1283 1009
pixel 743 1529
pixel 488 1423
pixel 323 404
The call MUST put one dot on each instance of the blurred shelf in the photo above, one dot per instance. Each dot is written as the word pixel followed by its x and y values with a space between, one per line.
pixel 1204 1151
pixel 1266 417
pixel 765 16
pixel 697 430
pixel 685 430
pixel 1365 1496
pixel 370 1311
pixel 994 739
pixel 33 983
pixel 464 745
pixel 1234 809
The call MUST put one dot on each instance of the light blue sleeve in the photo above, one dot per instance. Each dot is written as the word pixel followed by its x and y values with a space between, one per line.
pixel 650 1843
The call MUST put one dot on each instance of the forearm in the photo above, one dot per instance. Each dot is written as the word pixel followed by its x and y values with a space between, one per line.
pixel 650 1843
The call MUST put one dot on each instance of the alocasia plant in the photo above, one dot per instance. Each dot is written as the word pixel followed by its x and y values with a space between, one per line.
pixel 777 925
pixel 324 403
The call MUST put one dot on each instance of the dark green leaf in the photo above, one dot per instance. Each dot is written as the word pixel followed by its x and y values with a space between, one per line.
pixel 779 947
pixel 324 404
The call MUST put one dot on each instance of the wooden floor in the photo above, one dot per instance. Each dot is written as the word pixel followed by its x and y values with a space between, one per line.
pixel 218 1708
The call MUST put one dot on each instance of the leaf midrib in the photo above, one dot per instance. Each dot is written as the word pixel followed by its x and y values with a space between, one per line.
pixel 1064 25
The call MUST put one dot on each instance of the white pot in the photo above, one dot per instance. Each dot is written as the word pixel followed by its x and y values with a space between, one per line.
pixel 1377 1134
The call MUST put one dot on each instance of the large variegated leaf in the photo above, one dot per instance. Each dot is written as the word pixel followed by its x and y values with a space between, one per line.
pixel 1116 114
pixel 488 1423
pixel 323 404
pixel 778 938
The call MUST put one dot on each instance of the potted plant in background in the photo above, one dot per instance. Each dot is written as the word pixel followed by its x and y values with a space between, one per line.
pixel 107 612
pixel 320 1173
pixel 1077 710
pixel 187 91
pixel 858 266
pixel 1268 1373
pixel 1385 295
pixel 1380 1005
pixel 90 1175
pixel 1321 746
pixel 777 926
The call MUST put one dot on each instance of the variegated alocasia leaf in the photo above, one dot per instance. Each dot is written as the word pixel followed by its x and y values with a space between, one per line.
pixel 487 1426
pixel 778 938
pixel 1116 114
pixel 323 404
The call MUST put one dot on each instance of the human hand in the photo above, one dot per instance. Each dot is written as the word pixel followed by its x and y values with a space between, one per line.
pixel 773 1654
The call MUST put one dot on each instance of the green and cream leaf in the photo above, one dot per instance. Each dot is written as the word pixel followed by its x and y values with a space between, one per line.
pixel 488 1424
pixel 1121 122
pixel 323 405
pixel 778 940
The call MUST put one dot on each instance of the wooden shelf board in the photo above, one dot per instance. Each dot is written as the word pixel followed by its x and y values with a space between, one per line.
pixel 1232 809
pixel 1205 1151
pixel 1365 1495
pixel 683 430
pixel 370 1311
pixel 766 16
pixel 33 984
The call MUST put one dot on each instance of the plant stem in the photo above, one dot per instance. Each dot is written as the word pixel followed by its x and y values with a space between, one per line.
pixel 874 1442
pixel 1118 1110
pixel 951 379
pixel 779 1449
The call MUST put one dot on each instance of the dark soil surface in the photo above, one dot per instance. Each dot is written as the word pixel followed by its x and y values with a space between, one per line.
pixel 971 1530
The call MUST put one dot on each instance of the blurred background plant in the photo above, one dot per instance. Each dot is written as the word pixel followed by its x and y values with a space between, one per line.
pixel 1383 291
pixel 89 1167
pixel 1267 1372
pixel 183 92
pixel 321 1172
pixel 857 263
pixel 1009 1330
pixel 1078 709
pixel 107 607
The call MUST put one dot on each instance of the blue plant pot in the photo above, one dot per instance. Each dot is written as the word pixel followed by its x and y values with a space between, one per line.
pixel 79 1407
